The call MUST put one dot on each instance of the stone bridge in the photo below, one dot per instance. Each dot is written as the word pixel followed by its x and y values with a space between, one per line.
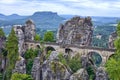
pixel 72 49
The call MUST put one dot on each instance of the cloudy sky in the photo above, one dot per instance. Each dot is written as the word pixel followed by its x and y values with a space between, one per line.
pixel 74 7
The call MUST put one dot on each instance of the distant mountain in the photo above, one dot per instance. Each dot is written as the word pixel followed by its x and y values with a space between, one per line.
pixel 10 17
pixel 46 19
pixel 41 19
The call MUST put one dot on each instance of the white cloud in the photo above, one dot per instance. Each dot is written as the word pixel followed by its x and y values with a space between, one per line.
pixel 78 7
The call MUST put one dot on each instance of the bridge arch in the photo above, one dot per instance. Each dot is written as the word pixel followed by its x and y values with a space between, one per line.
pixel 49 48
pixel 68 50
pixel 110 56
pixel 38 46
pixel 95 57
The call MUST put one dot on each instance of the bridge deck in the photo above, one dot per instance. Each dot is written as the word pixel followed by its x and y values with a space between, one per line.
pixel 84 47
pixel 76 46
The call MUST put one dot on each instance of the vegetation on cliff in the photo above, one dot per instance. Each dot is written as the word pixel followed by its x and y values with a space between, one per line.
pixel 113 65
pixel 18 76
pixel 74 63
pixel 30 54
pixel 37 37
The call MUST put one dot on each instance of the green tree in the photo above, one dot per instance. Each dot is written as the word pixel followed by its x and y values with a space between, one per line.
pixel 18 76
pixel 30 54
pixel 29 65
pixel 2 34
pixel 113 65
pixel 37 37
pixel 48 36
pixel 12 48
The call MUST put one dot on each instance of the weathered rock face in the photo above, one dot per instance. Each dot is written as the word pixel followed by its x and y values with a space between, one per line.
pixel 80 75
pixel 20 34
pixel 77 31
pixel 20 66
pixel 2 42
pixel 29 30
pixel 52 69
pixel 24 33
pixel 112 38
pixel 2 59
pixel 36 69
pixel 101 74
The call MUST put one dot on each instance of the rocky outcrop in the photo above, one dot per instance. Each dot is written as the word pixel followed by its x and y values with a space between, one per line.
pixel 20 34
pixel 112 38
pixel 2 42
pixel 2 58
pixel 101 74
pixel 20 66
pixel 29 30
pixel 36 69
pixel 24 33
pixel 76 31
pixel 80 75
pixel 52 69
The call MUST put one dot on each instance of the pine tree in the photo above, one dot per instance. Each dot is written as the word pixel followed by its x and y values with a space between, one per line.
pixel 2 34
pixel 12 48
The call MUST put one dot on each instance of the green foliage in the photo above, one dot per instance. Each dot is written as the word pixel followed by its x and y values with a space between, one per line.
pixel 62 59
pixel 31 54
pixel 12 48
pixel 73 63
pixel 48 36
pixel 113 65
pixel 1 76
pixel 2 34
pixel 113 69
pixel 37 37
pixel 29 66
pixel 18 76
pixel 48 54
pixel 4 52
pixel 90 72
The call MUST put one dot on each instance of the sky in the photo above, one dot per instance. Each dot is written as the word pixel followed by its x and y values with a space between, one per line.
pixel 71 7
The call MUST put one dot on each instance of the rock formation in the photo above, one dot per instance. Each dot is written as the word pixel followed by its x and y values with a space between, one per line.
pixel 36 69
pixel 24 33
pixel 77 31
pixel 20 66
pixel 112 38
pixel 52 69
pixel 101 74
pixel 2 42
pixel 2 59
pixel 80 75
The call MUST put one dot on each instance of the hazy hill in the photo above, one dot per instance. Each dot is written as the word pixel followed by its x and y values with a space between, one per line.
pixel 41 19
pixel 10 17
